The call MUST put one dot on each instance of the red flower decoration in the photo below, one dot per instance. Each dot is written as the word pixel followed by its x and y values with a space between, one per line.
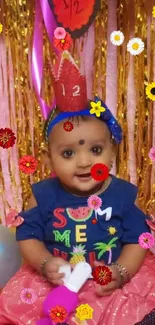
pixel 68 126
pixel 99 172
pixel 94 221
pixel 102 275
pixel 7 138
pixel 63 44
pixel 58 314
pixel 28 164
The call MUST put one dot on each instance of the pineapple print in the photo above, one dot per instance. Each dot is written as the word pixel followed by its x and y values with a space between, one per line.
pixel 78 254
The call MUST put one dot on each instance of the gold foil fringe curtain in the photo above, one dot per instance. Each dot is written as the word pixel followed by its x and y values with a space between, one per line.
pixel 17 17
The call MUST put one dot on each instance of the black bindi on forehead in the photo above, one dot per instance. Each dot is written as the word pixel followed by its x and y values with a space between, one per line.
pixel 81 142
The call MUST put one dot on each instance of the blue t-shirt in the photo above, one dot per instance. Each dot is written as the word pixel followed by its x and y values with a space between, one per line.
pixel 68 227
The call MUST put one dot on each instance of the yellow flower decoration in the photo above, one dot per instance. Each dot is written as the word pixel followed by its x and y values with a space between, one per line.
pixel 1 28
pixel 84 311
pixel 150 91
pixel 112 230
pixel 153 12
pixel 96 108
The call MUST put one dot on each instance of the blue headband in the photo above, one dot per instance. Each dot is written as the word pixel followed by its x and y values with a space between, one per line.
pixel 105 116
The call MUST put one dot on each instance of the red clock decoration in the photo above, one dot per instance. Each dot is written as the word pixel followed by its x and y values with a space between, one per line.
pixel 75 15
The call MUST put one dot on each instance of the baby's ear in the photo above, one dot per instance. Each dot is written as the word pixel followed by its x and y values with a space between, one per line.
pixel 45 155
pixel 114 147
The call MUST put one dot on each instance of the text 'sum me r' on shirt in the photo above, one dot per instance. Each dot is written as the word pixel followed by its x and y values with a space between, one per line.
pixel 65 223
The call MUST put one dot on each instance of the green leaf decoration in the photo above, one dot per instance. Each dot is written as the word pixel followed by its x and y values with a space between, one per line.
pixel 112 241
pixel 101 253
pixel 101 246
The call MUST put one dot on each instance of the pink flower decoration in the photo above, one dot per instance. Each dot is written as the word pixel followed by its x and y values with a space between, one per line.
pixel 152 154
pixel 28 296
pixel 60 33
pixel 146 240
pixel 94 202
pixel 13 219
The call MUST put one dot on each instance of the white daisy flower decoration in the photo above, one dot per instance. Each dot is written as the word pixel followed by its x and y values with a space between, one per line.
pixel 117 38
pixel 135 46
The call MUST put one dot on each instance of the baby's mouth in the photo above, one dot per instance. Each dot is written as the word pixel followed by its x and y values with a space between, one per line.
pixel 86 175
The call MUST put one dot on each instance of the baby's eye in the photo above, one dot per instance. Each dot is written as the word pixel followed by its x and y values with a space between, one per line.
pixel 97 150
pixel 67 153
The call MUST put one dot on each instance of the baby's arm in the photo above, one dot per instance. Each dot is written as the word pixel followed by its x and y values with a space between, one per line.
pixel 33 250
pixel 36 255
pixel 132 257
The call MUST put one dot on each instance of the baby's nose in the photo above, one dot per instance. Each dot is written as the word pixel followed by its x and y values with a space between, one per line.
pixel 84 160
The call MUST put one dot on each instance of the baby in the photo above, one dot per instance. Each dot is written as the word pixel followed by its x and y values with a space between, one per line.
pixel 60 226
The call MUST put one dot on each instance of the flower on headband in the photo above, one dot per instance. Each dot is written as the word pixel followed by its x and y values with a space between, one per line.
pixel 153 11
pixel 152 154
pixel 68 126
pixel 146 240
pixel 63 44
pixel 117 38
pixel 1 28
pixel 28 164
pixel 102 274
pixel 150 91
pixel 99 172
pixel 60 33
pixel 135 46
pixel 96 108
pixel 58 314
pixel 7 138
pixel 94 202
pixel 13 219
pixel 84 311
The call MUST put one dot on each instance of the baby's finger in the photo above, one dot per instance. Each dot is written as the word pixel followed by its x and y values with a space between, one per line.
pixel 57 282
pixel 55 276
pixel 52 268
pixel 104 290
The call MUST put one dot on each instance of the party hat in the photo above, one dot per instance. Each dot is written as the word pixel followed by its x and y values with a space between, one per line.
pixel 69 85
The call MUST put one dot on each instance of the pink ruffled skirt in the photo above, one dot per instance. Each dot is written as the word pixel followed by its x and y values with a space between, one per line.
pixel 22 298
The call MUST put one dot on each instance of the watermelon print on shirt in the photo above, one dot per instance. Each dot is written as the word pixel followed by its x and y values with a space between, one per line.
pixel 64 222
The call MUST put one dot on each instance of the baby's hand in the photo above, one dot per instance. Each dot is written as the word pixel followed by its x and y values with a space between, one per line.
pixel 51 270
pixel 112 286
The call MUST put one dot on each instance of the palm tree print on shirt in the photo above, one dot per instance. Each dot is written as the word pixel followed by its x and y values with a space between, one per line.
pixel 103 247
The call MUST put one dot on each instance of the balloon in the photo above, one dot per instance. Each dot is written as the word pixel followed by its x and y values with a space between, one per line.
pixel 10 258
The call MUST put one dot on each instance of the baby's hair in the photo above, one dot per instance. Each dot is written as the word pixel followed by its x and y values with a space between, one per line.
pixel 55 112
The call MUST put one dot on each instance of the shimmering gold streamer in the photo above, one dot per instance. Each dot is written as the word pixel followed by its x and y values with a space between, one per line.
pixel 122 159
pixel 142 130
pixel 100 52
pixel 150 200
pixel 18 18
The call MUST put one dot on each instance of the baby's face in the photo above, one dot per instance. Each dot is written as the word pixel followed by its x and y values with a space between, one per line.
pixel 73 153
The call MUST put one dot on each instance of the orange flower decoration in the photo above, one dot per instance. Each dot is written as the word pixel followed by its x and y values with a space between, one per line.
pixel 102 274
pixel 58 314
pixel 63 43
pixel 28 164
pixel 7 138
